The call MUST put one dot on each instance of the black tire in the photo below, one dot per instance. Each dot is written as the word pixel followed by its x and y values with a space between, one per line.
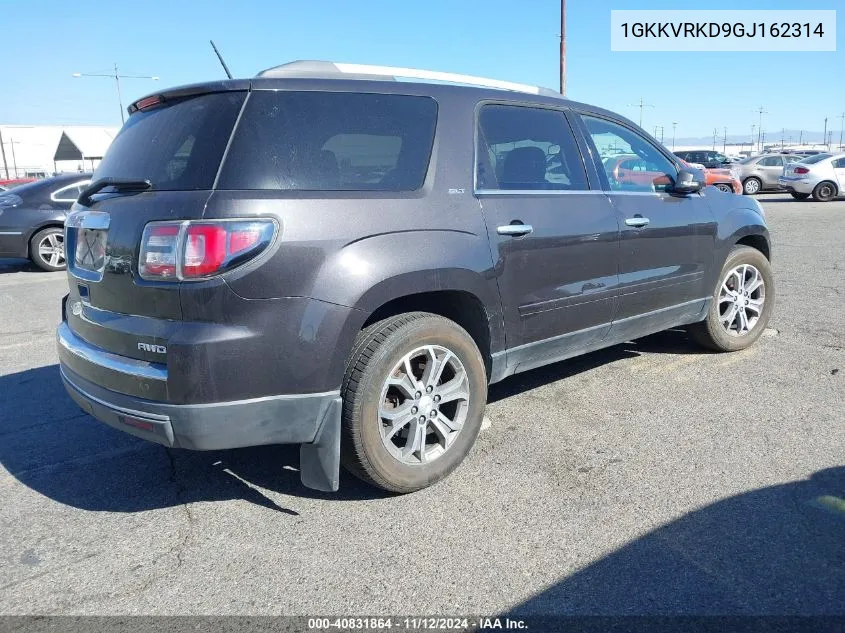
pixel 54 234
pixel 710 333
pixel 799 196
pixel 721 186
pixel 377 351
pixel 751 186
pixel 825 191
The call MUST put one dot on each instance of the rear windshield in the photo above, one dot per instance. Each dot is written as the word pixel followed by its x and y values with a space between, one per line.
pixel 331 141
pixel 815 159
pixel 175 147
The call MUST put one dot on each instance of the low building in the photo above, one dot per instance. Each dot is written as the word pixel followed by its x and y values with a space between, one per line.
pixel 42 150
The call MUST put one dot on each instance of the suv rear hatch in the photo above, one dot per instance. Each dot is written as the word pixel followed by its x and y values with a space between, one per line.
pixel 165 161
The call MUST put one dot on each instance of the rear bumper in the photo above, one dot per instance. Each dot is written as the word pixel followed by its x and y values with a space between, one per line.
pixel 289 419
pixel 796 185
pixel 311 420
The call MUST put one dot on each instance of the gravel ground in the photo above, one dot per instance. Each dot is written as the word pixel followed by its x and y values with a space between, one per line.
pixel 649 478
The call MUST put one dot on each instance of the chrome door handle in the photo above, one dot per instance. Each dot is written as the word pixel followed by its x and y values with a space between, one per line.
pixel 515 229
pixel 637 222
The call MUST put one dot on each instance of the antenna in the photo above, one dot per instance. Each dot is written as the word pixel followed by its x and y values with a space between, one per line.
pixel 220 57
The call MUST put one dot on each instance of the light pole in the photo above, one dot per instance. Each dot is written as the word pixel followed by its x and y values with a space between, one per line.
pixel 761 111
pixel 841 129
pixel 674 126
pixel 117 77
pixel 824 136
pixel 725 141
pixel 753 127
pixel 563 47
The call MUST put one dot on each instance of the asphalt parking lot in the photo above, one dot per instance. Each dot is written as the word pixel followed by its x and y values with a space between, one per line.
pixel 650 478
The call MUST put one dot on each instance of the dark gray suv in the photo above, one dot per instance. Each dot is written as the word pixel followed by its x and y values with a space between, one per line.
pixel 328 257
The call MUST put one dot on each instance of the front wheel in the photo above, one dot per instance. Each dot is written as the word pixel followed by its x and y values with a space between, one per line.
pixel 724 187
pixel 799 196
pixel 47 249
pixel 751 186
pixel 824 191
pixel 413 400
pixel 742 303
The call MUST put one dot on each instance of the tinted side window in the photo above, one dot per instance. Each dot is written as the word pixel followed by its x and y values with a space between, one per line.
pixel 331 141
pixel 522 148
pixel 616 145
pixel 771 161
pixel 839 163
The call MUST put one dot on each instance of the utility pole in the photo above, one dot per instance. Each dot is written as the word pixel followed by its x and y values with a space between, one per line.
pixel 800 137
pixel 715 132
pixel 563 47
pixel 841 129
pixel 782 134
pixel 3 152
pixel 824 136
pixel 751 145
pixel 761 111
pixel 725 141
pixel 674 126
pixel 642 104
pixel 117 77
pixel 14 161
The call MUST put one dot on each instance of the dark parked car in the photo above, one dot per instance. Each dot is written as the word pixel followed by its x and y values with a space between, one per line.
pixel 711 159
pixel 32 216
pixel 322 258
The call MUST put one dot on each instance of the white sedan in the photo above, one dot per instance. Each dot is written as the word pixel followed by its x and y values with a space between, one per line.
pixel 822 176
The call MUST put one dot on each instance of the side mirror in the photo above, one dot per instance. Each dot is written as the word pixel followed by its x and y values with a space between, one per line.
pixel 687 182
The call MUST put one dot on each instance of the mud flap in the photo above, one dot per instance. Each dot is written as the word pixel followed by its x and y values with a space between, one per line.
pixel 319 462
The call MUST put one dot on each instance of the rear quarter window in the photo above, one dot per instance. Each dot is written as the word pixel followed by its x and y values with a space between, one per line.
pixel 331 141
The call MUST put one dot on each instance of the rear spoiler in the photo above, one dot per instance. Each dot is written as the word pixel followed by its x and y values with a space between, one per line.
pixel 191 90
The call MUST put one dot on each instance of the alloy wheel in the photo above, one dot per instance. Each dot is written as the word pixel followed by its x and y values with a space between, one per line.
pixel 424 404
pixel 741 299
pixel 51 249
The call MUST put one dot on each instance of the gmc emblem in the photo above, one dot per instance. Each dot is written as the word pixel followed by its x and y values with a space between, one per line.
pixel 155 349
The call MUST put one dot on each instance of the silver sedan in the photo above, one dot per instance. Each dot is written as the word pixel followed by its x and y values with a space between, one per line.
pixel 761 173
pixel 822 176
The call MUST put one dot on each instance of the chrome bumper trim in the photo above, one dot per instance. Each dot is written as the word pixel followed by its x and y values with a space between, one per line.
pixel 121 364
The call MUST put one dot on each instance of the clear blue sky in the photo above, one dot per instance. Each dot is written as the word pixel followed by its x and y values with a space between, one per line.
pixel 43 43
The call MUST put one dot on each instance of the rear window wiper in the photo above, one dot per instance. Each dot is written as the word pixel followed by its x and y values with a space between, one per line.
pixel 120 184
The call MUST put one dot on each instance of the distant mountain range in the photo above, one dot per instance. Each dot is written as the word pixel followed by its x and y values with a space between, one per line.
pixel 793 137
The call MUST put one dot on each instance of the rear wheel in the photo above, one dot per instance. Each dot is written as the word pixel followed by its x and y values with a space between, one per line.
pixel 751 186
pixel 799 196
pixel 824 191
pixel 47 249
pixel 413 400
pixel 742 303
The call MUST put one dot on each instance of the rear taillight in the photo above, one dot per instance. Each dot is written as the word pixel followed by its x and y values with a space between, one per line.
pixel 801 170
pixel 200 249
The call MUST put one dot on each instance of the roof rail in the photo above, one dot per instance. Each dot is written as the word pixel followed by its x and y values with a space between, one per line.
pixel 336 70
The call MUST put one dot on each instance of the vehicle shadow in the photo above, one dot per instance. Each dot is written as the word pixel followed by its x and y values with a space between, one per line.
pixel 16 265
pixel 50 445
pixel 775 551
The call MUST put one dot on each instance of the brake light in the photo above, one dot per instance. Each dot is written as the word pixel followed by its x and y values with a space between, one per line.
pixel 801 170
pixel 200 249
pixel 148 102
